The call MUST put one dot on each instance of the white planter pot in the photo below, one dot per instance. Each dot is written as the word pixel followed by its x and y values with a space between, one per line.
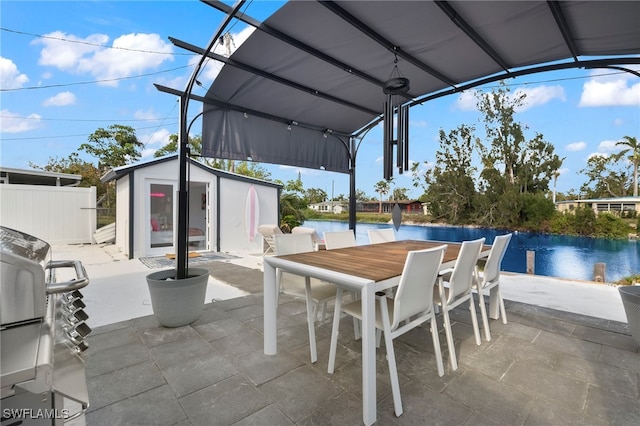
pixel 177 303
pixel 631 301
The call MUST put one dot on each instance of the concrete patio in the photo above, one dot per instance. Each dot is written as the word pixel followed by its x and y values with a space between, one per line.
pixel 545 367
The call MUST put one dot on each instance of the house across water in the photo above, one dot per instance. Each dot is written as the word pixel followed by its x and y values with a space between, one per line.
pixel 621 206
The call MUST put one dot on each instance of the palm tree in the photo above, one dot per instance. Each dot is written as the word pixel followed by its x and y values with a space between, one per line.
pixel 381 188
pixel 633 149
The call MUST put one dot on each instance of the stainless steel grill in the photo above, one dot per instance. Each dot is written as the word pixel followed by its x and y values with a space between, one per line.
pixel 42 334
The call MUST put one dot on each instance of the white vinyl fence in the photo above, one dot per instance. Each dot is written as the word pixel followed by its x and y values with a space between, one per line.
pixel 55 214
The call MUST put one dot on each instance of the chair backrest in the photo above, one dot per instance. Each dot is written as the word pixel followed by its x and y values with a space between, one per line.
pixel 494 261
pixel 381 235
pixel 293 243
pixel 462 276
pixel 269 230
pixel 339 239
pixel 303 230
pixel 415 291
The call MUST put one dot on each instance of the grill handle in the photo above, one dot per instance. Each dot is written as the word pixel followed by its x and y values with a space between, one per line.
pixel 79 282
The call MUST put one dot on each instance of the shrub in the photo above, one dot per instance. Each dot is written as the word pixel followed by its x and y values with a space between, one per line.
pixel 610 226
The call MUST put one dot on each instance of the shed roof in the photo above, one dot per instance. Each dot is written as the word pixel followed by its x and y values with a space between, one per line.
pixel 119 172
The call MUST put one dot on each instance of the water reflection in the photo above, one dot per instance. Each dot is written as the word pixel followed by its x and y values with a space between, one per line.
pixel 555 255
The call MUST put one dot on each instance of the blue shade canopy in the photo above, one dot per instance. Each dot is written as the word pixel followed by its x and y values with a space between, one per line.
pixel 320 67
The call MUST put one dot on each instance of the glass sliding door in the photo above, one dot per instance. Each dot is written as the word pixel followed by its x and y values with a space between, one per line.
pixel 161 215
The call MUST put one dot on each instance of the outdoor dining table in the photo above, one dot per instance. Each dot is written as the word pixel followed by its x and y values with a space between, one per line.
pixel 365 269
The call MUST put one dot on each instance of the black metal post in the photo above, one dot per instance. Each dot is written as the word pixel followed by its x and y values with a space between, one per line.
pixel 352 184
pixel 183 189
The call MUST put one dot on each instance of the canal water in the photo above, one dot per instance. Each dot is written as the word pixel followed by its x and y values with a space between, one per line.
pixel 555 255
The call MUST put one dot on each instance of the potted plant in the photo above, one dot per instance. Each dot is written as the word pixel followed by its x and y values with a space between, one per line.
pixel 177 302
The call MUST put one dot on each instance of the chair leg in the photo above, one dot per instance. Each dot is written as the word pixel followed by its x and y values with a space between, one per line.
pixel 436 344
pixel 334 331
pixel 311 321
pixel 449 334
pixel 323 311
pixel 474 320
pixel 483 312
pixel 391 356
pixel 503 311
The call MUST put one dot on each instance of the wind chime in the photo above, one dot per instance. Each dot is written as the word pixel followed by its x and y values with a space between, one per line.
pixel 395 85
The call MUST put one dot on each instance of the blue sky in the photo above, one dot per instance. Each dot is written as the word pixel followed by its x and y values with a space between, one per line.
pixel 69 68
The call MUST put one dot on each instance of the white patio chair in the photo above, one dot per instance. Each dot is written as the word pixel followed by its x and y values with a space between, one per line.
pixel 315 292
pixel 381 235
pixel 457 290
pixel 412 306
pixel 317 241
pixel 267 232
pixel 342 239
pixel 489 279
pixel 339 239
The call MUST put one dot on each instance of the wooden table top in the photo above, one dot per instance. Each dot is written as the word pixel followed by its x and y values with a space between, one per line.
pixel 376 262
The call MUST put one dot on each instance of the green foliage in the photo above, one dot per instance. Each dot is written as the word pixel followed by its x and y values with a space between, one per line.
pixel 115 146
pixel 629 280
pixel 606 176
pixel 585 223
pixel 536 210
pixel 73 164
pixel 450 186
pixel 289 222
pixel 611 226
pixel 631 150
pixel 315 195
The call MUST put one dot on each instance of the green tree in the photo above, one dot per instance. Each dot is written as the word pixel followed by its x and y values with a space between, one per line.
pixel 400 193
pixel 528 165
pixel 73 164
pixel 632 151
pixel 115 146
pixel 605 177
pixel 315 195
pixel 382 188
pixel 450 186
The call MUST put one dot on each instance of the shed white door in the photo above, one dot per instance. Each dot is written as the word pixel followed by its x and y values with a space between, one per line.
pixel 160 217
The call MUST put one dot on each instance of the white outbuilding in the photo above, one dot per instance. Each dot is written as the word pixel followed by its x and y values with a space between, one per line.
pixel 225 209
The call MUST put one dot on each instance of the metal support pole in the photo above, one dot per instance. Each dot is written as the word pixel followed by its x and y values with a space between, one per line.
pixel 352 184
pixel 183 193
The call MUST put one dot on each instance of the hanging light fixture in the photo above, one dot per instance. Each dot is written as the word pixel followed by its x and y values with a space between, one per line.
pixel 396 84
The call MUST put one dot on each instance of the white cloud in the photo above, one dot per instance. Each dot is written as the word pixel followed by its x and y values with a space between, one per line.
pixel 146 115
pixel 11 122
pixel 608 146
pixel 576 146
pixel 66 55
pixel 534 96
pixel 10 77
pixel 157 139
pixel 61 99
pixel 467 101
pixel 597 154
pixel 618 122
pixel 610 93
pixel 127 57
pixel 540 95
pixel 418 123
